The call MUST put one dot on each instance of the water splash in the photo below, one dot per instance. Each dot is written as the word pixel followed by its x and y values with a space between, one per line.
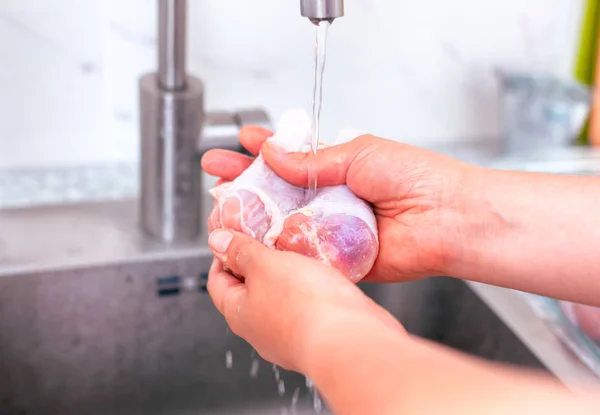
pixel 281 387
pixel 294 404
pixel 254 366
pixel 295 397
pixel 228 359
pixel 316 397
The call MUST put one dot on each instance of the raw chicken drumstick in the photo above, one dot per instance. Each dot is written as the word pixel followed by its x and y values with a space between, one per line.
pixel 335 227
pixel 257 202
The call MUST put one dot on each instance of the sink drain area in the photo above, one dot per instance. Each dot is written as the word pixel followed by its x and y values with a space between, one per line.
pixel 173 285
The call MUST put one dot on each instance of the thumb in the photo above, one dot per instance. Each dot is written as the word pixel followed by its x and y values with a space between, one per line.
pixel 237 252
pixel 331 165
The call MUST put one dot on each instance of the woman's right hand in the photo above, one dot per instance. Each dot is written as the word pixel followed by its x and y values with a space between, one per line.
pixel 416 195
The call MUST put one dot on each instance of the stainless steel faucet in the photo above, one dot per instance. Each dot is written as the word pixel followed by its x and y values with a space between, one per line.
pixel 175 131
pixel 317 10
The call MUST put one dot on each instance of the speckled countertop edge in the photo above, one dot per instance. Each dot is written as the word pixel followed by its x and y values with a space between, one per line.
pixel 21 188
pixel 29 187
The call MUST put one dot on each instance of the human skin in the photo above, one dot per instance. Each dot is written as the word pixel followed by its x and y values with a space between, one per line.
pixel 307 317
pixel 436 216
pixel 439 216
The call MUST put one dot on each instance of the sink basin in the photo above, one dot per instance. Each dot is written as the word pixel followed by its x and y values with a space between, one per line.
pixel 95 319
pixel 95 344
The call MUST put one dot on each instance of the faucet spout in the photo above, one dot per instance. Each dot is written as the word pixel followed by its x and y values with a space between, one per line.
pixel 318 10
pixel 172 25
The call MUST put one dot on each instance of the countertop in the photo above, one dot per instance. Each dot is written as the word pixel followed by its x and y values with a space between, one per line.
pixel 510 307
pixel 113 182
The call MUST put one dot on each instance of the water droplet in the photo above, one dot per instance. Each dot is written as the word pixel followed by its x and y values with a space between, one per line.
pixel 295 397
pixel 317 403
pixel 254 368
pixel 228 359
pixel 309 383
pixel 281 387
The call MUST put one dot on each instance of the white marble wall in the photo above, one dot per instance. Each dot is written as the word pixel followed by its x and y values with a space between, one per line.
pixel 418 71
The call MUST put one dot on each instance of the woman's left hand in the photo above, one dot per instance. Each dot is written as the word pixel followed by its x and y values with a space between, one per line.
pixel 287 304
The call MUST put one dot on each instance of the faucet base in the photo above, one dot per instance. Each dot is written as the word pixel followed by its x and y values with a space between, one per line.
pixel 170 125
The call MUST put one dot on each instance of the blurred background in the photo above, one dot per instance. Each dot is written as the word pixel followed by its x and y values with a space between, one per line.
pixel 421 72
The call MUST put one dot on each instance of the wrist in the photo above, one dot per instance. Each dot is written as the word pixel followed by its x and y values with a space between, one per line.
pixel 355 348
pixel 466 219
pixel 326 345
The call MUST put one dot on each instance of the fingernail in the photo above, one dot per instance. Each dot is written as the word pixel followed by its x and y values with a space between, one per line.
pixel 219 240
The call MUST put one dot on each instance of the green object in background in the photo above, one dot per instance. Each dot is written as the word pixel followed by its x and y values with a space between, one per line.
pixel 585 65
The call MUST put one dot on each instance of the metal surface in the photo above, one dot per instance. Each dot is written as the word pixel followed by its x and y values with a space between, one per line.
pixel 171 119
pixel 253 116
pixel 222 128
pixel 317 10
pixel 170 124
pixel 174 135
pixel 172 44
pixel 96 318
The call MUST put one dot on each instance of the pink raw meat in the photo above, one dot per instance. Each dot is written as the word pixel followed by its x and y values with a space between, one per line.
pixel 257 202
pixel 335 227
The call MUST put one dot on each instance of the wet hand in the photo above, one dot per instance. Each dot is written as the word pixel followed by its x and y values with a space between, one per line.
pixel 283 303
pixel 416 194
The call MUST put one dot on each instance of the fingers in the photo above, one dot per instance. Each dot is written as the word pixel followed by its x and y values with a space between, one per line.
pixel 227 293
pixel 226 164
pixel 252 138
pixel 239 253
pixel 230 164
pixel 331 164
pixel 214 219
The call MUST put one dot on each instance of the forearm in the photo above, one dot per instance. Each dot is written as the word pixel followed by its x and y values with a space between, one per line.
pixel 366 368
pixel 533 232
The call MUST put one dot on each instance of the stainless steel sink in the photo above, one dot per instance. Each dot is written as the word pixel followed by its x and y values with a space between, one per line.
pixel 92 342
pixel 95 319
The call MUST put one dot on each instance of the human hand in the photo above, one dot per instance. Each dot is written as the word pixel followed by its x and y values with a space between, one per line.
pixel 288 304
pixel 416 194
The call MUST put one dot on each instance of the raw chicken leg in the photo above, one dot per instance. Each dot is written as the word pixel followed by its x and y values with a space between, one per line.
pixel 335 227
pixel 257 202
